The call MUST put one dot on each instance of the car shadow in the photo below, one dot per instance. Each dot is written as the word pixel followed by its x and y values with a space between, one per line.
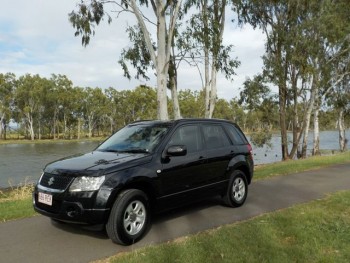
pixel 96 231
pixel 187 209
pixel 99 232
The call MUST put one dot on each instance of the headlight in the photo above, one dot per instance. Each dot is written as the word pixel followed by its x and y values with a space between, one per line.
pixel 86 183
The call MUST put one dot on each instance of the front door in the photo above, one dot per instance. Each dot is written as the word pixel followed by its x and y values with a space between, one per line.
pixel 183 175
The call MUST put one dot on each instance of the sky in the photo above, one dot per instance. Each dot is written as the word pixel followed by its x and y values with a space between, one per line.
pixel 37 38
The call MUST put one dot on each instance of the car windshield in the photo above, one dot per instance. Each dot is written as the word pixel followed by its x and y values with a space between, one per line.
pixel 135 139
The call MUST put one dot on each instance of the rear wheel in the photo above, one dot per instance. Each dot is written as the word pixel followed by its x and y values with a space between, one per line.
pixel 129 218
pixel 237 189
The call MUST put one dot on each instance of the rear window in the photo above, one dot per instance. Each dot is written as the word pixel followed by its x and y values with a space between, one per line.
pixel 236 136
pixel 215 136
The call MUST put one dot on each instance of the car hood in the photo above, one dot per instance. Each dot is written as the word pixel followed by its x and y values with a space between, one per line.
pixel 95 163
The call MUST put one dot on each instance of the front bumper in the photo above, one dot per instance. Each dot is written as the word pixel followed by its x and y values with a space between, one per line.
pixel 79 208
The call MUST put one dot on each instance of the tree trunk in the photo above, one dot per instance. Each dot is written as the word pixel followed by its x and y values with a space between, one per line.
pixel 162 66
pixel 213 89
pixel 65 126
pixel 282 105
pixel 172 72
pixel 341 125
pixel 30 127
pixel 90 125
pixel 2 124
pixel 295 117
pixel 206 84
pixel 78 136
pixel 176 105
pixel 54 124
pixel 39 130
pixel 311 105
pixel 316 145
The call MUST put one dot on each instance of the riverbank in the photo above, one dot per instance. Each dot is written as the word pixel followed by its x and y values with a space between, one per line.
pixel 43 141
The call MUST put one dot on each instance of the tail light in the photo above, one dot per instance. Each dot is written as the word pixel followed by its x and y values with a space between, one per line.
pixel 250 149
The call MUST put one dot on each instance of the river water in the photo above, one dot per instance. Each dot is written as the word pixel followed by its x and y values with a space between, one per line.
pixel 20 163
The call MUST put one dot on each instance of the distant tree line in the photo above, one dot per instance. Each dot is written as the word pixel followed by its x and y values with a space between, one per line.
pixel 53 108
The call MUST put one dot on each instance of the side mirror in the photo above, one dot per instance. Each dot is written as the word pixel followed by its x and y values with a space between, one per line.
pixel 176 150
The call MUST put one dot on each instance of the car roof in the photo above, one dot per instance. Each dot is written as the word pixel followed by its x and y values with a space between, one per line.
pixel 184 120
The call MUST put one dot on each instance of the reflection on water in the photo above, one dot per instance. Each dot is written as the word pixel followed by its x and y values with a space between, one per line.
pixel 21 161
pixel 329 140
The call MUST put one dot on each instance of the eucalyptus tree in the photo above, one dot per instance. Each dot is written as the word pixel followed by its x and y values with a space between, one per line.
pixel 341 102
pixel 29 101
pixel 292 60
pixel 79 98
pixel 7 89
pixel 112 111
pixel 140 59
pixel 93 106
pixel 61 100
pixel 203 42
pixel 165 13
pixel 334 26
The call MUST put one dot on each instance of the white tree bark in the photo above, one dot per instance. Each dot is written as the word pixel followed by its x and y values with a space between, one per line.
pixel 164 39
pixel 176 107
pixel 314 90
pixel 316 142
pixel 30 125
pixel 206 83
pixel 2 117
pixel 341 125
pixel 213 89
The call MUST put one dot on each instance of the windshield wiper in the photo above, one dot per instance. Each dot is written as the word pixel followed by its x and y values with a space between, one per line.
pixel 109 150
pixel 135 150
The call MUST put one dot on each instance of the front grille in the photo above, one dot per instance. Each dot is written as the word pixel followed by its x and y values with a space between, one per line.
pixel 58 182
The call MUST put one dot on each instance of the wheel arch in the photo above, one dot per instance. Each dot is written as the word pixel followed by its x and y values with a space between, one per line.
pixel 142 185
pixel 244 168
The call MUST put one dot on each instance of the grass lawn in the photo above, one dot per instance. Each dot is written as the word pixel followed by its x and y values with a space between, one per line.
pixel 318 231
pixel 16 203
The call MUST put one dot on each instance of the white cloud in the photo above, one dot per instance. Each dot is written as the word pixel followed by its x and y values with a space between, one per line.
pixel 36 37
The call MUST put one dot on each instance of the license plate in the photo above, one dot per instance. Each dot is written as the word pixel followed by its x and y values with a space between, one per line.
pixel 45 198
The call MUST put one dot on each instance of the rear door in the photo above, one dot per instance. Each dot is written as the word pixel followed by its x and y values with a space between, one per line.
pixel 219 152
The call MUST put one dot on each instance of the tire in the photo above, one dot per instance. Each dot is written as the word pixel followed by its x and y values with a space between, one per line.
pixel 129 218
pixel 237 190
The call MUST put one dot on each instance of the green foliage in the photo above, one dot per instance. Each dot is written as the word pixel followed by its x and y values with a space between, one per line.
pixel 137 55
pixel 254 93
pixel 86 18
pixel 261 138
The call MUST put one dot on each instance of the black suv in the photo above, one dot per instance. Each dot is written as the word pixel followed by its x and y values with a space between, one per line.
pixel 148 166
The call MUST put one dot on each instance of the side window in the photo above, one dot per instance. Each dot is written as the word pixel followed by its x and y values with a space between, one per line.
pixel 189 136
pixel 215 136
pixel 235 134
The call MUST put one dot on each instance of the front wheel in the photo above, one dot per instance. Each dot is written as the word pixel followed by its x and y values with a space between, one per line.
pixel 129 218
pixel 237 189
